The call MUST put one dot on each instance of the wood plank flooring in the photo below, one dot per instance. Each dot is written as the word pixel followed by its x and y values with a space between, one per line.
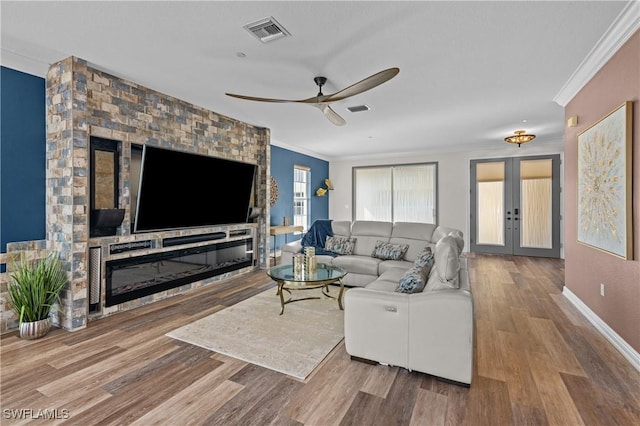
pixel 537 362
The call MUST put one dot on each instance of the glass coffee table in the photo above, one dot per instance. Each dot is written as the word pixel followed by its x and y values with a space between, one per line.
pixel 323 276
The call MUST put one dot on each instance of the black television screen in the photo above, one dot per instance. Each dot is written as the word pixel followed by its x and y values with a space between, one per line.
pixel 183 190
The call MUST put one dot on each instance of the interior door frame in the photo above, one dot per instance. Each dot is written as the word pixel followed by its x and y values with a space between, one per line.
pixel 511 200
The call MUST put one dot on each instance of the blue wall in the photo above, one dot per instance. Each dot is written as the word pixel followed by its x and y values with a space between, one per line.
pixel 282 162
pixel 22 157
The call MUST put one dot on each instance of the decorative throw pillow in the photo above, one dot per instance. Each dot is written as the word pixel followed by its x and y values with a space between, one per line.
pixel 413 281
pixel 340 245
pixel 389 251
pixel 425 256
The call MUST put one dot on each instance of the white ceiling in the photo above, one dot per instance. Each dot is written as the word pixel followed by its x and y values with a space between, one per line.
pixel 470 72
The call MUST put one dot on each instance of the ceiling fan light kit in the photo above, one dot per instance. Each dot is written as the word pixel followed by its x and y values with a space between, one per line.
pixel 322 101
pixel 519 138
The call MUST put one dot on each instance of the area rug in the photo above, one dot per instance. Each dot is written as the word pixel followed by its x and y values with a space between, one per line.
pixel 254 331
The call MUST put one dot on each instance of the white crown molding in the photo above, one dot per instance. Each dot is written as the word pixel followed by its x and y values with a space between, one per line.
pixel 22 63
pixel 298 149
pixel 624 26
pixel 614 338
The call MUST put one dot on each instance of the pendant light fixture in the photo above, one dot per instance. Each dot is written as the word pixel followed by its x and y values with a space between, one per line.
pixel 519 137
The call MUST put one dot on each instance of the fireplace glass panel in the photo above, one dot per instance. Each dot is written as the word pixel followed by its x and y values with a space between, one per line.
pixel 136 277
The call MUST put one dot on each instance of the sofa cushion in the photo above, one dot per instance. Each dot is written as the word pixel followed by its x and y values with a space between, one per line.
pixel 340 245
pixel 385 265
pixel 383 285
pixel 447 264
pixel 393 274
pixel 368 233
pixel 389 251
pixel 416 235
pixel 323 258
pixel 358 264
pixel 413 230
pixel 341 228
pixel 413 281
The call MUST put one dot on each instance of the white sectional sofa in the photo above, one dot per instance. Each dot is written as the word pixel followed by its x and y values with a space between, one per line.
pixel 430 330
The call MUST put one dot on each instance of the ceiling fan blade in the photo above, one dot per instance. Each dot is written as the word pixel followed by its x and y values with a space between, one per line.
pixel 253 98
pixel 330 114
pixel 364 85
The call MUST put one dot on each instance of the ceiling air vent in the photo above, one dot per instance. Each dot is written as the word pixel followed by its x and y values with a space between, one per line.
pixel 358 108
pixel 267 29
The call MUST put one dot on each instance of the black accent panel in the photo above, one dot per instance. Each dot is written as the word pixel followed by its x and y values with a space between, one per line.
pixel 187 239
pixel 105 222
pixel 131 246
pixel 107 218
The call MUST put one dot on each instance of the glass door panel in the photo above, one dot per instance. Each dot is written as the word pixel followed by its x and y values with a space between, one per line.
pixel 490 217
pixel 536 200
pixel 490 190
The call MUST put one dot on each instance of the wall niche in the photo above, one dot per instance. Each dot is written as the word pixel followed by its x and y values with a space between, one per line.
pixel 104 187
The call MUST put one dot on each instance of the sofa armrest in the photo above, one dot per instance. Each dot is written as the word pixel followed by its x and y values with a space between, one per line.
pixel 288 250
pixel 441 334
pixel 376 325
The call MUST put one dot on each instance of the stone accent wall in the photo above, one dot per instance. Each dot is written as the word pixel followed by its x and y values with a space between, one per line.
pixel 83 101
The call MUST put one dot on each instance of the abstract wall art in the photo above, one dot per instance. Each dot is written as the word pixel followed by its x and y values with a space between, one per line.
pixel 604 183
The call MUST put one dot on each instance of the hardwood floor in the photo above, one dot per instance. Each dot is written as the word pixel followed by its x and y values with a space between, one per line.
pixel 537 362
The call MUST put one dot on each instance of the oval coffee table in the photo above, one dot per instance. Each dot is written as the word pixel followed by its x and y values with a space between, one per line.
pixel 325 274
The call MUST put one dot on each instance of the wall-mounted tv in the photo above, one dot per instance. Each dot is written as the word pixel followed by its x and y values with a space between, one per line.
pixel 183 190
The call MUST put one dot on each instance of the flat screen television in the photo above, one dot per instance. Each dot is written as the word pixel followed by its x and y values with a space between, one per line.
pixel 184 190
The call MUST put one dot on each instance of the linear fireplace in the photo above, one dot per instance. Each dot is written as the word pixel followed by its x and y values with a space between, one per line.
pixel 136 277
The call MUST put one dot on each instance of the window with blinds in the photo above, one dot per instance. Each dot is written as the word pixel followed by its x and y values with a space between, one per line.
pixel 398 193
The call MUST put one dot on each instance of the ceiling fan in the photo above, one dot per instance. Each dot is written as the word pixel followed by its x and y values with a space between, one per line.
pixel 322 101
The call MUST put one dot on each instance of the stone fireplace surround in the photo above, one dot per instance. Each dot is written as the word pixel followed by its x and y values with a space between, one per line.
pixel 83 101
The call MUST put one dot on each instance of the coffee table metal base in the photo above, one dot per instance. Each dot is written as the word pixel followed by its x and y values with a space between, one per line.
pixel 282 286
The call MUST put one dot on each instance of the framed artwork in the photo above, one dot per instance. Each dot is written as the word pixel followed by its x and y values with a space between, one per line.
pixel 604 184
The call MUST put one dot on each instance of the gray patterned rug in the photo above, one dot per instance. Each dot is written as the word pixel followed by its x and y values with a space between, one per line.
pixel 293 343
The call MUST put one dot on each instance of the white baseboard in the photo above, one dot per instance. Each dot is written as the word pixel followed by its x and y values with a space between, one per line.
pixel 614 338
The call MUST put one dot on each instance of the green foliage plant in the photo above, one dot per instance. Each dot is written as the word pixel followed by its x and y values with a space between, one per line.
pixel 35 286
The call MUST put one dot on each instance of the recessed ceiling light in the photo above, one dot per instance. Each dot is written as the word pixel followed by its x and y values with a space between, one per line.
pixel 525 120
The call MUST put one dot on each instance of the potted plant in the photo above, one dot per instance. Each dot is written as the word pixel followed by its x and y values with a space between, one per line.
pixel 34 288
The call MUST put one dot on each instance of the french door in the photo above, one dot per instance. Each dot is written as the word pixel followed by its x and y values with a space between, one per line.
pixel 515 206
